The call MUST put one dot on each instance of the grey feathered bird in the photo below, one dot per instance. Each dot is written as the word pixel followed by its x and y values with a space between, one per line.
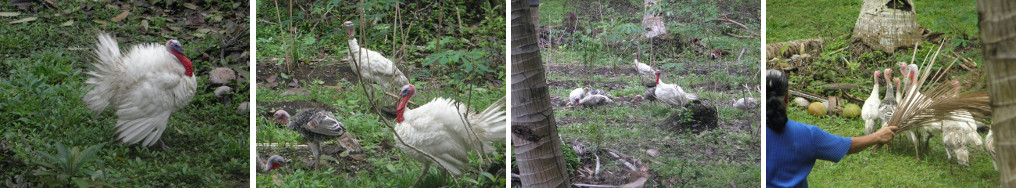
pixel 273 163
pixel 316 125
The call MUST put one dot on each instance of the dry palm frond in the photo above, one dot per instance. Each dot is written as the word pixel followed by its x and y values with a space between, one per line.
pixel 918 108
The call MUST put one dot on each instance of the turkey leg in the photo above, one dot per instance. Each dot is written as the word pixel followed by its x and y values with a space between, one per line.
pixel 426 167
pixel 316 151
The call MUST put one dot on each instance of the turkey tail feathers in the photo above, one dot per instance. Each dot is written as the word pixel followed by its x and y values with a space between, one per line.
pixel 490 123
pixel 106 71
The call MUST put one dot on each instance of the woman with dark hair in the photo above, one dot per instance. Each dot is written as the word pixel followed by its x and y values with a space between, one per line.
pixel 793 147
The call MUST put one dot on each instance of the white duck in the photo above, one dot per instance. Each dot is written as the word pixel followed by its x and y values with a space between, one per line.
pixel 870 110
pixel 438 128
pixel 671 93
pixel 145 86
pixel 371 65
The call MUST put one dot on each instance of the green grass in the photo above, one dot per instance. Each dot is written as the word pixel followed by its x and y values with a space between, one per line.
pixel 428 61
pixel 42 67
pixel 719 157
pixel 897 167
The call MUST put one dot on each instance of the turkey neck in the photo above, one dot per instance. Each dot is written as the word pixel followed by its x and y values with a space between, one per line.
pixel 185 62
pixel 354 47
pixel 657 79
pixel 401 109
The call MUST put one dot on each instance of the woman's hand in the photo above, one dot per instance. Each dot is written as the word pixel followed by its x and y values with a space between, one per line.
pixel 885 134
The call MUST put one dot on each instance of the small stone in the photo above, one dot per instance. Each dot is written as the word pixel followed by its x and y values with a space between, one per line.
pixel 243 108
pixel 221 75
pixel 222 90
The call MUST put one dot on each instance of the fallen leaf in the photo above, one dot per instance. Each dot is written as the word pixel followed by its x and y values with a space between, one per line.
pixel 28 19
pixel 295 91
pixel 144 24
pixel 100 22
pixel 9 14
pixel 68 23
pixel 652 152
pixel 121 16
pixel 190 6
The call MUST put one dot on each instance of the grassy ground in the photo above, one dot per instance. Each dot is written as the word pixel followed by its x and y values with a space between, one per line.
pixel 833 22
pixel 319 69
pixel 724 156
pixel 42 65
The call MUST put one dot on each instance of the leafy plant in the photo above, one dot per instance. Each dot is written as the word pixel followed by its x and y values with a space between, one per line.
pixel 71 167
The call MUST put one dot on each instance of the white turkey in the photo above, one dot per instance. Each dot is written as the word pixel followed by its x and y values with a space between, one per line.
pixel 958 132
pixel 643 69
pixel 745 103
pixel 145 86
pixel 672 93
pixel 989 145
pixel 870 110
pixel 595 100
pixel 371 65
pixel 576 95
pixel 273 162
pixel 439 129
pixel 315 125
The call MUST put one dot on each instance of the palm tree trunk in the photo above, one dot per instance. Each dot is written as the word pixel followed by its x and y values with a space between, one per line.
pixel 998 33
pixel 534 134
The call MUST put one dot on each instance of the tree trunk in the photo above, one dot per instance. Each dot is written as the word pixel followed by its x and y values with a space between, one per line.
pixel 536 144
pixel 998 33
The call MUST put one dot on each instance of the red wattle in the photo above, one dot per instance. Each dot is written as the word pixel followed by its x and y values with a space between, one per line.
pixel 401 109
pixel 185 62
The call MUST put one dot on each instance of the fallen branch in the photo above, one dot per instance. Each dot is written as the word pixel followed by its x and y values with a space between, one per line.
pixel 739 36
pixel 740 54
pixel 735 23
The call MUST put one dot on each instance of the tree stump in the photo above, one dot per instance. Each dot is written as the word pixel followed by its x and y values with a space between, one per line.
pixel 886 25
pixel 695 117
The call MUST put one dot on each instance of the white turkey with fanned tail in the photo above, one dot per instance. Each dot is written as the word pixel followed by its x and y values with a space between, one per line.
pixel 145 86
pixel 438 129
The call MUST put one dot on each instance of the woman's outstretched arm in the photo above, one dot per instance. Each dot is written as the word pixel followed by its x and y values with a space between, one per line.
pixel 858 144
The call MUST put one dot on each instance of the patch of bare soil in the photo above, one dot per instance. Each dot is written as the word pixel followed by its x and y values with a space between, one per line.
pixel 301 157
pixel 327 71
pixel 292 106
pixel 695 117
